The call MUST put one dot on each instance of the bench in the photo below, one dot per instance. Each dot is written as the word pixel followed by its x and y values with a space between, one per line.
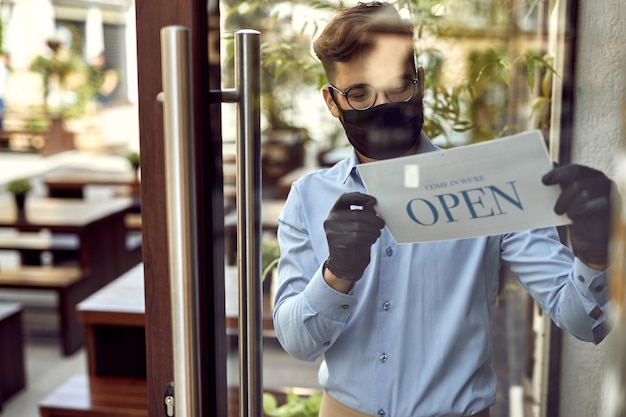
pixel 30 246
pixel 66 283
pixel 12 374
pixel 82 396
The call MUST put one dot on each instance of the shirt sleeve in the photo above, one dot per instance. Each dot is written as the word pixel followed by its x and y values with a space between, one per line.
pixel 309 315
pixel 564 287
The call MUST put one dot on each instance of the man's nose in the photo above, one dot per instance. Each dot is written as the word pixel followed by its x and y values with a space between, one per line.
pixel 381 98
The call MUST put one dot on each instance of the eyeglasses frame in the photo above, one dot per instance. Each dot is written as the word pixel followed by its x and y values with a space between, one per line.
pixel 332 88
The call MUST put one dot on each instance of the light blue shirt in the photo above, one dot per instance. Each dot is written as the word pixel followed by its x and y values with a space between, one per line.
pixel 413 337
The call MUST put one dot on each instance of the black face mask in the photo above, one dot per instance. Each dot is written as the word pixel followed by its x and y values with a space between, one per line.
pixel 385 131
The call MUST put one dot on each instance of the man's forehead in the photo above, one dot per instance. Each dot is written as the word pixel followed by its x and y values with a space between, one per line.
pixel 387 40
pixel 386 58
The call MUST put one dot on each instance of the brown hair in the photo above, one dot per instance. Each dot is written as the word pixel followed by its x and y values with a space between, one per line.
pixel 344 38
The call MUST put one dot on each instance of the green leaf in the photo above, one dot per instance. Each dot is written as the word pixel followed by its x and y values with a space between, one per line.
pixel 538 105
pixel 269 403
pixel 530 71
pixel 505 69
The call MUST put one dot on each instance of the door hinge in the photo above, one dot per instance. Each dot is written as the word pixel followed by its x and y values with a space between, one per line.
pixel 169 399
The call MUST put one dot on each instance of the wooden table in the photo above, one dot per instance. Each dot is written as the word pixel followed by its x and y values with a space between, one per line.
pixel 116 313
pixel 99 226
pixel 66 215
pixel 114 319
pixel 116 381
pixel 121 303
pixel 71 182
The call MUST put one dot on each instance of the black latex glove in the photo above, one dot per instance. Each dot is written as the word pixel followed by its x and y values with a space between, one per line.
pixel 585 197
pixel 350 234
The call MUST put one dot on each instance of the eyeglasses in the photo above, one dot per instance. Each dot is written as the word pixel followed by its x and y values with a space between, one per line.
pixel 363 96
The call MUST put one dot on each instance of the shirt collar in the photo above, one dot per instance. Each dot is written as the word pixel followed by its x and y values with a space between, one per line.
pixel 351 162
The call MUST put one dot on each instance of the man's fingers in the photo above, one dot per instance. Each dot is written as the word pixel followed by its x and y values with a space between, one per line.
pixel 577 191
pixel 596 206
pixel 565 174
pixel 347 200
pixel 356 222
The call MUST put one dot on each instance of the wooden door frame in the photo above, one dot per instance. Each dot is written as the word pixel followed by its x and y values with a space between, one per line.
pixel 151 16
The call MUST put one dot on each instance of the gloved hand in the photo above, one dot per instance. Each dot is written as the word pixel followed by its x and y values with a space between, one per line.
pixel 585 197
pixel 351 228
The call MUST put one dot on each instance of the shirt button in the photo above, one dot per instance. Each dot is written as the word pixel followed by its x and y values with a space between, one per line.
pixel 386 305
pixel 345 307
pixel 384 357
pixel 599 288
pixel 381 412
pixel 389 251
pixel 581 278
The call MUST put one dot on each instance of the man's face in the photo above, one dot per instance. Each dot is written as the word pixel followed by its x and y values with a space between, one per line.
pixel 388 60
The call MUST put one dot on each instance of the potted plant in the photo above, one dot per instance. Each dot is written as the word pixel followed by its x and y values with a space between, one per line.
pixel 134 160
pixel 296 405
pixel 19 187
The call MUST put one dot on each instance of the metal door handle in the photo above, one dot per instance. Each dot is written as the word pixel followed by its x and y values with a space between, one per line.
pixel 247 85
pixel 177 99
pixel 178 119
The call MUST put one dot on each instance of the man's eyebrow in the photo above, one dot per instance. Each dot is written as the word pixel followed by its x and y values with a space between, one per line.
pixel 408 73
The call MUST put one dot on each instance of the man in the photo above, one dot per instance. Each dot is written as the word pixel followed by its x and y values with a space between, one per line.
pixel 405 330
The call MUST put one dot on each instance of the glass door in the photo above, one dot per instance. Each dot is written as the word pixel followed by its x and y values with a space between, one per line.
pixel 189 294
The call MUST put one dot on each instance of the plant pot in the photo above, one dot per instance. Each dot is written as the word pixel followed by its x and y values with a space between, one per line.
pixel 20 204
pixel 136 170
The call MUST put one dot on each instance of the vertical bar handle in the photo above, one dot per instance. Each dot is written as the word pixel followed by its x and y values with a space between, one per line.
pixel 181 214
pixel 247 84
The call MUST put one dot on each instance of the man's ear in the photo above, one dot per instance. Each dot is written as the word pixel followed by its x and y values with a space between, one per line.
pixel 420 78
pixel 330 102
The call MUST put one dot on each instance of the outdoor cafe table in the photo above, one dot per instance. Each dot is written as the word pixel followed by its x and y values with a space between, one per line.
pixel 99 225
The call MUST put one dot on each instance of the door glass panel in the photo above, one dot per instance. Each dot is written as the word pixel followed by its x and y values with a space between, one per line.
pixel 281 373
pixel 488 68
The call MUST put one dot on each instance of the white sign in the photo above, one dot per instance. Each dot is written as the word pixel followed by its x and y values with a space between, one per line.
pixel 483 189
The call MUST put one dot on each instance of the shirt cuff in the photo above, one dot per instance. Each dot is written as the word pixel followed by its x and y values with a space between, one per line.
pixel 327 301
pixel 593 284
